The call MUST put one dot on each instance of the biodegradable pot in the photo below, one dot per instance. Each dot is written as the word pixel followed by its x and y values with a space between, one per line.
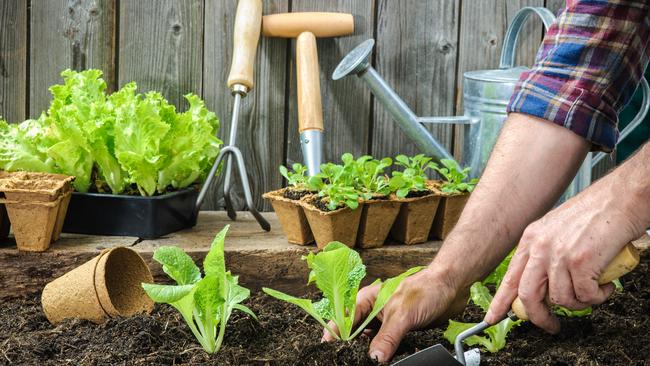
pixel 377 217
pixel 415 217
pixel 447 215
pixel 36 205
pixel 291 216
pixel 108 285
pixel 339 225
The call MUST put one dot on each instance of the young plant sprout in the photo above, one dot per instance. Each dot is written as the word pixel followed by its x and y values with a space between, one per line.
pixel 336 184
pixel 337 271
pixel 455 177
pixel 205 303
pixel 414 176
pixel 370 177
pixel 297 178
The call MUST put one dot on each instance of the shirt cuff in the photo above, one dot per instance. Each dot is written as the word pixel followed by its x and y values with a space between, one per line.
pixel 566 105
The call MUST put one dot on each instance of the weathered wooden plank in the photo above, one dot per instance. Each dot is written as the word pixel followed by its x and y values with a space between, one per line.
pixel 75 34
pixel 346 103
pixel 482 30
pixel 13 60
pixel 161 47
pixel 259 258
pixel 555 5
pixel 261 119
pixel 416 52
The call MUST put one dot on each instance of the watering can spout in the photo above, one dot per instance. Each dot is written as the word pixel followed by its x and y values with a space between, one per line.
pixel 357 62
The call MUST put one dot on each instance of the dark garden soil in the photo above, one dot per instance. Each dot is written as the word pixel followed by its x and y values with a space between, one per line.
pixel 294 194
pixel 415 194
pixel 617 333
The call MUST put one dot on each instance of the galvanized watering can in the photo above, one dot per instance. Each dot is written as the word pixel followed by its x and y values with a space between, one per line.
pixel 486 94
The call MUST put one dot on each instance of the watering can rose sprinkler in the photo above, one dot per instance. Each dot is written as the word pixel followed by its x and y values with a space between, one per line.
pixel 486 94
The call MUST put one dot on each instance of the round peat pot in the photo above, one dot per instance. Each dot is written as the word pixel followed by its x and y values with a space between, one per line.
pixel 106 286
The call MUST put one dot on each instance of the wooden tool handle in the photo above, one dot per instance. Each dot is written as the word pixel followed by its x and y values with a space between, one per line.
pixel 310 109
pixel 246 35
pixel 291 25
pixel 626 260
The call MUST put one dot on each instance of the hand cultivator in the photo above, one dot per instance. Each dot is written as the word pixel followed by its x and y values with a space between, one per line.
pixel 240 81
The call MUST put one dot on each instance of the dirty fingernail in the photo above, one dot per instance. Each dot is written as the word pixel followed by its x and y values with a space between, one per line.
pixel 377 355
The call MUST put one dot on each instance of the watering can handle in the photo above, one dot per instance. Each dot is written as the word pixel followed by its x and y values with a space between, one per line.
pixel 508 51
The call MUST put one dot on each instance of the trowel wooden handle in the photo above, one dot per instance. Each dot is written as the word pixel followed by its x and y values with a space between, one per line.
pixel 248 23
pixel 291 25
pixel 310 108
pixel 626 260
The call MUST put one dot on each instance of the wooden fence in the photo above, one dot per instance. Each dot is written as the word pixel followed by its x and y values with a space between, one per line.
pixel 180 46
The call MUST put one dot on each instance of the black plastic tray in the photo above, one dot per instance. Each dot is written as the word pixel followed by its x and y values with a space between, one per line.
pixel 144 217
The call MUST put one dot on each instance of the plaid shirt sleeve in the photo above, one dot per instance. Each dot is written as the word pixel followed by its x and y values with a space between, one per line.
pixel 587 68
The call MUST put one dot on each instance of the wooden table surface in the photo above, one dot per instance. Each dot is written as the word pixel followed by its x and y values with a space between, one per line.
pixel 260 258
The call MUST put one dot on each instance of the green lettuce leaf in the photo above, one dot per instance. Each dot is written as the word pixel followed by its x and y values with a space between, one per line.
pixel 177 265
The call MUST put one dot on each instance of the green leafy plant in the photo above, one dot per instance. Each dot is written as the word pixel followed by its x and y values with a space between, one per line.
pixel 337 271
pixel 114 142
pixel 336 184
pixel 414 175
pixel 297 177
pixel 370 178
pixel 205 303
pixel 455 177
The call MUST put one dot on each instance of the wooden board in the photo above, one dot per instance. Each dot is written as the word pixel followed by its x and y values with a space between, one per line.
pixel 259 258
pixel 161 47
pixel 262 113
pixel 416 53
pixel 13 60
pixel 346 103
pixel 68 35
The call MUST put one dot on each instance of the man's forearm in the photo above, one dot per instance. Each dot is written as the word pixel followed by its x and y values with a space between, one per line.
pixel 530 166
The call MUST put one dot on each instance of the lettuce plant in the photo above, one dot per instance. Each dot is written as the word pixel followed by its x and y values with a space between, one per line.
pixel 205 303
pixel 114 141
pixel 455 178
pixel 337 271
pixel 370 178
pixel 414 175
pixel 297 177
pixel 336 184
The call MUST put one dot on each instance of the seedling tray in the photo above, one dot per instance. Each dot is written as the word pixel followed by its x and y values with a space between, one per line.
pixel 144 217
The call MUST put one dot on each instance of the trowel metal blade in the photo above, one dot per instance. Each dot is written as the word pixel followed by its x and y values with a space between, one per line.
pixel 435 355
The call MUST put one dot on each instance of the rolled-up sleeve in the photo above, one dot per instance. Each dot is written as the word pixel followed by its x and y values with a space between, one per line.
pixel 589 64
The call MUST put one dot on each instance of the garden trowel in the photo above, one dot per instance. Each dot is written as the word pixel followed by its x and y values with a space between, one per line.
pixel 626 260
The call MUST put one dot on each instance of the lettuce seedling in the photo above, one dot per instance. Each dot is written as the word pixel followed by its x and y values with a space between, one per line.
pixel 413 177
pixel 297 177
pixel 336 184
pixel 205 303
pixel 455 177
pixel 337 271
pixel 370 178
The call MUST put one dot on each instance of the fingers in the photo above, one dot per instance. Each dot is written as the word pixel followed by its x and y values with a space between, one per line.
pixel 507 291
pixel 587 289
pixel 532 292
pixel 560 287
pixel 385 343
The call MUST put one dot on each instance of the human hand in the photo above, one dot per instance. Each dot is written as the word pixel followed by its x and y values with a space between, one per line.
pixel 561 256
pixel 419 301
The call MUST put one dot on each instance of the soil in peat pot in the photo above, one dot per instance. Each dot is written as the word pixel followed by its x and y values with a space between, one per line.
pixel 295 195
pixel 617 333
pixel 415 194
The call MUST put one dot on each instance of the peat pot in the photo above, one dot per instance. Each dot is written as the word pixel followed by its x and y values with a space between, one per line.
pixel 413 223
pixel 327 226
pixel 291 216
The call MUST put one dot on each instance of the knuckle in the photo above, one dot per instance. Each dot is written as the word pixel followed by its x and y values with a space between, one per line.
pixel 509 281
pixel 389 339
